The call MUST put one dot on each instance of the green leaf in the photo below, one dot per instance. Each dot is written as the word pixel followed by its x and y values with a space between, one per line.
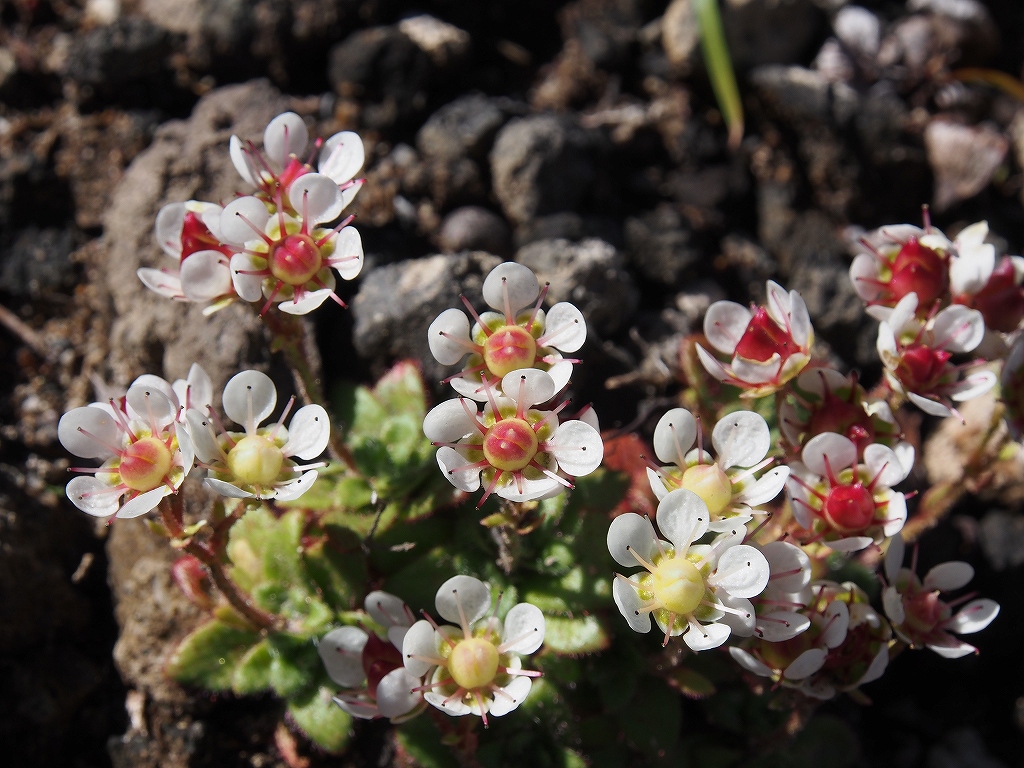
pixel 282 557
pixel 421 739
pixel 252 673
pixel 209 655
pixel 657 729
pixel 322 720
pixel 574 636
pixel 690 683
pixel 295 664
pixel 339 572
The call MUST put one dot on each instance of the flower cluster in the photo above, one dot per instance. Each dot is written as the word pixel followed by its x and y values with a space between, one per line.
pixel 275 245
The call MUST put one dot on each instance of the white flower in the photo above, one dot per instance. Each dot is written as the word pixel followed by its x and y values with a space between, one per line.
pixel 973 260
pixel 475 667
pixel 776 615
pixel 920 617
pixel 847 504
pixel 286 257
pixel 257 463
pixel 280 163
pixel 917 355
pixel 899 260
pixel 146 452
pixel 520 452
pixel 518 335
pixel 348 652
pixel 729 485
pixel 687 587
pixel 190 232
pixel 768 346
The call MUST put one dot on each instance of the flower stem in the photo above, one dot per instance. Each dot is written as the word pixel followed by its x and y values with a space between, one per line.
pixel 289 336
pixel 213 561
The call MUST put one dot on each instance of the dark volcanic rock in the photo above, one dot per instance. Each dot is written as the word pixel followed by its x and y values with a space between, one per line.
pixel 463 128
pixel 541 165
pixel 569 226
pixel 38 262
pixel 473 228
pixel 130 50
pixel 658 244
pixel 797 95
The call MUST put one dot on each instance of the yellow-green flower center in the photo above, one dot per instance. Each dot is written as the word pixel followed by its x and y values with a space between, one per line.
pixel 710 483
pixel 473 663
pixel 678 585
pixel 255 460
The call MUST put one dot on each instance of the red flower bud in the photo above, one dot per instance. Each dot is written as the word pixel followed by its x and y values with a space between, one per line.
pixel 1001 301
pixel 763 338
pixel 921 270
pixel 196 236
pixel 194 580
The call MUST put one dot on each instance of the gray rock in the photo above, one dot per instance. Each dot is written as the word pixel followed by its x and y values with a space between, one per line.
pixel 753 30
pixel 752 263
pixel 568 226
pixel 38 262
pixel 859 29
pixel 658 245
pixel 130 50
pixel 604 29
pixel 680 35
pixel 963 159
pixel 797 95
pixel 473 228
pixel 590 274
pixel 463 128
pixel 397 303
pixel 1002 539
pixel 542 164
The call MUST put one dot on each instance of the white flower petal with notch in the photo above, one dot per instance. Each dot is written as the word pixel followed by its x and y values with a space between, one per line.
pixel 577 447
pixel 249 398
pixel 742 571
pixel 674 436
pixel 517 280
pixel 524 629
pixel 724 324
pixel 341 651
pixel 342 156
pixel 102 428
pixel 884 465
pixel 316 198
pixel 284 136
pixel 958 328
pixel 565 328
pixel 528 386
pixel 347 258
pixel 93 496
pixel 682 518
pixel 308 433
pixel 741 439
pixel 630 531
pixel 469 594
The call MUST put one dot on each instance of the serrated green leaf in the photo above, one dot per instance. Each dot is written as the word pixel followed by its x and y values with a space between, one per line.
pixel 252 673
pixel 421 739
pixel 282 556
pixel 322 720
pixel 208 656
pixel 691 683
pixel 575 636
pixel 340 575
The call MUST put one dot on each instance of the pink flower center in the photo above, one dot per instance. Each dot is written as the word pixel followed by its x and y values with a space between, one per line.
pixel 763 338
pixel 850 508
pixel 1001 301
pixel 844 417
pixel 921 368
pixel 196 236
pixel 924 610
pixel 145 464
pixel 510 445
pixel 918 269
pixel 508 349
pixel 295 260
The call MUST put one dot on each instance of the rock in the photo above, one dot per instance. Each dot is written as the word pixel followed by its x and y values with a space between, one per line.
pixel 473 228
pixel 590 274
pixel 444 43
pixel 1002 539
pixel 463 128
pixel 568 226
pixel 859 30
pixel 38 262
pixel 658 245
pixel 752 30
pixel 542 164
pixel 752 263
pixel 833 63
pixel 680 35
pixel 605 29
pixel 963 159
pixel 798 95
pixel 131 50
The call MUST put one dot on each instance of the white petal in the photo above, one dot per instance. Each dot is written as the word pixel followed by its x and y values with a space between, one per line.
pixel 341 651
pixel 233 226
pixel 93 496
pixel 449 421
pixel 342 156
pixel 524 629
pixel 186 456
pixel 972 386
pixel 630 531
pixel 886 346
pixel 929 406
pixel 205 276
pixel 284 136
pixel 533 490
pixel 956 649
pixel 749 662
pixel 310 300
pixel 560 374
pixel 777 303
pixel 894 557
pixel 755 372
pixel 724 324
pixel 780 626
pixel 420 640
pixel 96 422
pixel 904 452
pixel 674 436
pixel 710 636
pixel 249 398
pixel 767 487
pixel 892 602
pixel 197 391
pixel 657 486
pixel 974 616
pixel 475 390
pixel 958 328
pixel 971 269
pixel 682 518
pixel 294 489
pixel 741 439
pixel 452 322
pixel 863 270
pixel 518 281
pixel 453 707
pixel 395 694
pixel 806 664
pixel 347 257
pixel 577 447
pixel 836 625
pixel 248 287
pixel 170 220
pixel 712 365
pixel 240 159
pixel 387 610
pixel 308 433
pixel 528 386
pixel 515 694
pixel 783 557
pixel 851 543
pixel 565 328
pixel 202 434
pixel 227 489
pixel 316 198
pixel 742 571
pixel 163 283
pixel 883 464
pixel 840 451
pixel 799 321
pixel 877 667
pixel 458 469
pixel 946 577
pixel 143 503
pixel 149 401
pixel 471 594
pixel 743 623
pixel 903 313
